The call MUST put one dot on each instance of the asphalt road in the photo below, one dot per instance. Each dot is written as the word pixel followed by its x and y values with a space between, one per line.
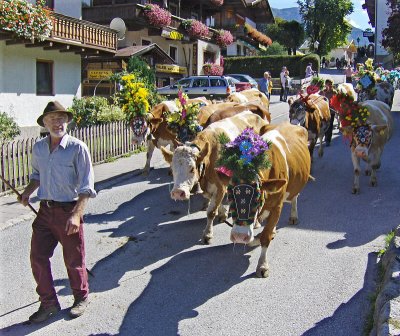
pixel 153 277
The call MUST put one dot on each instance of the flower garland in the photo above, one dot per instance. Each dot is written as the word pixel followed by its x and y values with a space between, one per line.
pixel 319 82
pixel 195 28
pixel 157 16
pixel 134 97
pixel 350 112
pixel 26 20
pixel 212 69
pixel 224 38
pixel 184 121
pixel 243 157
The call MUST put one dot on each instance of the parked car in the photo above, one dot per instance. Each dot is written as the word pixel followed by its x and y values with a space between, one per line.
pixel 240 86
pixel 245 78
pixel 212 87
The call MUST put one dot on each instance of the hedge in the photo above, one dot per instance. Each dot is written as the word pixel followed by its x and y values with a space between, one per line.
pixel 255 66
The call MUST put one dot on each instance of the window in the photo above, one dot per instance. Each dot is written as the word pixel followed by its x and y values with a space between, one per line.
pixel 145 42
pixel 184 83
pixel 200 82
pixel 209 57
pixel 44 78
pixel 194 15
pixel 173 53
pixel 238 50
pixel 217 82
pixel 173 8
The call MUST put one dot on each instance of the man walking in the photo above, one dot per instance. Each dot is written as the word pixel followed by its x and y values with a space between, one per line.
pixel 63 172
pixel 282 77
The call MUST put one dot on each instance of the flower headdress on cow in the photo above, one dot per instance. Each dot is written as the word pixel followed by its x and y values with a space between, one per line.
pixel 241 159
pixel 365 77
pixel 184 121
pixel 315 86
pixel 351 113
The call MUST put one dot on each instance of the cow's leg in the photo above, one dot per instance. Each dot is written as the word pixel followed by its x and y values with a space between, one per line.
pixel 357 170
pixel 149 154
pixel 266 237
pixel 215 202
pixel 373 182
pixel 321 148
pixel 313 141
pixel 294 218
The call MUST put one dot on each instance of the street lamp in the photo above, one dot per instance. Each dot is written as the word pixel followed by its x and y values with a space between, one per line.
pixel 358 42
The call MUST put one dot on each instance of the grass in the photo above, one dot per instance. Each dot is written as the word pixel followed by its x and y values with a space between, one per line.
pixel 388 239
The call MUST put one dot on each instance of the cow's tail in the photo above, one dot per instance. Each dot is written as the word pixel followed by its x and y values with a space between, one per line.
pixel 311 178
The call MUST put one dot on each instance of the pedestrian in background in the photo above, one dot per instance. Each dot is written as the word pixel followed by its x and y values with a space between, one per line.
pixel 329 92
pixel 63 172
pixel 264 83
pixel 309 70
pixel 270 85
pixel 348 72
pixel 323 62
pixel 288 85
pixel 282 77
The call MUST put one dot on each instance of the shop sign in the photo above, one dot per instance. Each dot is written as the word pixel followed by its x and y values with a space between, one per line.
pixel 173 34
pixel 168 68
pixel 99 74
pixel 368 33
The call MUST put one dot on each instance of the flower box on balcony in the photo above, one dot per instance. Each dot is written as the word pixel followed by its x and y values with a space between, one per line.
pixel 25 20
pixel 195 28
pixel 224 38
pixel 157 16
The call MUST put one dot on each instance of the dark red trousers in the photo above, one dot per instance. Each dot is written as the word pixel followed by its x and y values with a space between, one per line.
pixel 48 231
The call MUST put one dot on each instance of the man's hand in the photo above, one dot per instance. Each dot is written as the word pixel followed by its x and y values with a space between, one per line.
pixel 73 224
pixel 23 199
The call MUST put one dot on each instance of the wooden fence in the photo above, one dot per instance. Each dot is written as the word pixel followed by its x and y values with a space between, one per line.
pixel 104 142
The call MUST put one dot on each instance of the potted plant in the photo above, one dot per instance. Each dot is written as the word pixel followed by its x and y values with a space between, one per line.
pixel 224 38
pixel 157 16
pixel 212 69
pixel 195 28
pixel 26 20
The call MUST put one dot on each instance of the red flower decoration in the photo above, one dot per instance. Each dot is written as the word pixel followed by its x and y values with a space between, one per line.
pixel 311 89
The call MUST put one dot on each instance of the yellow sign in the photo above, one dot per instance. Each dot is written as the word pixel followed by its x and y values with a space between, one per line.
pixel 173 35
pixel 170 68
pixel 99 74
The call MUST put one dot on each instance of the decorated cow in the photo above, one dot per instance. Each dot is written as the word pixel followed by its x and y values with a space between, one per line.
pixel 368 126
pixel 249 95
pixel 312 112
pixel 262 173
pixel 195 163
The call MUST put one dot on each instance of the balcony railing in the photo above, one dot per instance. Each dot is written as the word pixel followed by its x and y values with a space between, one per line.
pixel 83 32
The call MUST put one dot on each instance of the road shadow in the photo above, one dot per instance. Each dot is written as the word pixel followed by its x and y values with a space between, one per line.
pixel 180 286
pixel 353 314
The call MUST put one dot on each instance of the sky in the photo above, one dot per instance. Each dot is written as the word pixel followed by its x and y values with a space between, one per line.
pixel 359 17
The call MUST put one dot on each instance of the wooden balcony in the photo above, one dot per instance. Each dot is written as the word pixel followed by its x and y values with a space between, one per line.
pixel 72 35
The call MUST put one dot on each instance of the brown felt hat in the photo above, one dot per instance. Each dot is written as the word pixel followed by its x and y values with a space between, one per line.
pixel 52 107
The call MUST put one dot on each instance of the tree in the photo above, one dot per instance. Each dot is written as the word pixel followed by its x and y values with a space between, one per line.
pixel 325 22
pixel 287 33
pixel 391 34
pixel 274 49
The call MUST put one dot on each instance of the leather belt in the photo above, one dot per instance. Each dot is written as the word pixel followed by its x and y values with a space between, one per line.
pixel 52 204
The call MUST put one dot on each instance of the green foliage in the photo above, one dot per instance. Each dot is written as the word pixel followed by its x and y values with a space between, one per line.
pixel 274 49
pixel 94 110
pixel 8 128
pixel 388 239
pixel 255 66
pixel 325 22
pixel 391 34
pixel 287 33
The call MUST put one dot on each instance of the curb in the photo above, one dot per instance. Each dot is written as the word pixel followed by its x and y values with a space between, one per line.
pixel 387 304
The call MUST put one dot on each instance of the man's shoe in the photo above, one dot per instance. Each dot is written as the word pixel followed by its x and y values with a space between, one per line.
pixel 44 313
pixel 78 308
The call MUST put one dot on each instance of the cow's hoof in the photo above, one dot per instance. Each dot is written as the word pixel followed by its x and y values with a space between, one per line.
pixel 145 173
pixel 320 154
pixel 373 183
pixel 367 173
pixel 221 218
pixel 293 220
pixel 206 240
pixel 355 190
pixel 262 272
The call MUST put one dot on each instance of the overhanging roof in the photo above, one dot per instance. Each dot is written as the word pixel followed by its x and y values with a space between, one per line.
pixel 142 50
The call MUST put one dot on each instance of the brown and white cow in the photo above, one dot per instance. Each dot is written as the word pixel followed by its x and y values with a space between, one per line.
pixel 158 134
pixel 314 115
pixel 195 162
pixel 281 183
pixel 384 93
pixel 250 95
pixel 367 142
pixel 348 89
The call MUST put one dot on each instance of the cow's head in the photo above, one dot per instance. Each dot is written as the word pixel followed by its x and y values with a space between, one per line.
pixel 245 202
pixel 140 130
pixel 187 168
pixel 297 112
pixel 362 137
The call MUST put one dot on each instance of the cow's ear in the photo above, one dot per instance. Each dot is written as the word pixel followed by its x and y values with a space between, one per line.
pixel 290 101
pixel 273 185
pixel 167 154
pixel 379 128
pixel 264 129
pixel 155 122
pixel 203 152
